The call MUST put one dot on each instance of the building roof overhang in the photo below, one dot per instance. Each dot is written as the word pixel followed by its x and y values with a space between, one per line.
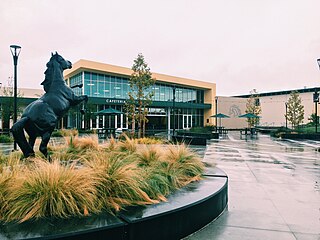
pixel 103 68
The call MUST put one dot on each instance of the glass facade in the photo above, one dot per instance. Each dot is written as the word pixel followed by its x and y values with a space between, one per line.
pixel 110 86
pixel 75 80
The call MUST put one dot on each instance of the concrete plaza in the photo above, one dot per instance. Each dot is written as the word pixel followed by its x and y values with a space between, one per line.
pixel 274 189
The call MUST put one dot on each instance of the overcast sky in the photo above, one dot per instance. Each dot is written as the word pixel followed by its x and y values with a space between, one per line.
pixel 268 45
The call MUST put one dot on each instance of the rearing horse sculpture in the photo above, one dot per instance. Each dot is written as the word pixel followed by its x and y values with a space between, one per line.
pixel 40 117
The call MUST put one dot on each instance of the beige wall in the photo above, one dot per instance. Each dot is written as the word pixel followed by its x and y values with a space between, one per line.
pixel 273 110
pixel 233 107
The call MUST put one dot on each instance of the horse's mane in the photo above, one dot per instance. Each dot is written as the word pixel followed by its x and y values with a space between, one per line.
pixel 49 73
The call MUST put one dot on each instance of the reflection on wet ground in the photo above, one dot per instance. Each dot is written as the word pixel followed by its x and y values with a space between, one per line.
pixel 274 188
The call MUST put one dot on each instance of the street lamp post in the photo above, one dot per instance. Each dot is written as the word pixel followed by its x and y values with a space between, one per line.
pixel 316 103
pixel 15 50
pixel 174 109
pixel 216 102
pixel 316 100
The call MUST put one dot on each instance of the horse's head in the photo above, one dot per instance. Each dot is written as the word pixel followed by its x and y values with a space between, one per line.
pixel 57 59
pixel 55 67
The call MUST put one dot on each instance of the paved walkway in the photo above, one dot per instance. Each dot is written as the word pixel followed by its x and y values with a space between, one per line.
pixel 274 189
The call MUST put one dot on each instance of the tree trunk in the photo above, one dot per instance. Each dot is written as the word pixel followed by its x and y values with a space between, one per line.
pixel 139 120
pixel 144 127
pixel 133 125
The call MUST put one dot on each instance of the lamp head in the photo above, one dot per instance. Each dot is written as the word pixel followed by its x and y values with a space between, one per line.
pixel 15 50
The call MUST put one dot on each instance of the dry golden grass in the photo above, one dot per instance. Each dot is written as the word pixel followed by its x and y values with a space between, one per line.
pixel 69 132
pixel 5 176
pixel 127 145
pixel 120 182
pixel 149 141
pixel 50 189
pixel 86 178
pixel 182 165
pixel 148 154
pixel 111 144
pixel 83 143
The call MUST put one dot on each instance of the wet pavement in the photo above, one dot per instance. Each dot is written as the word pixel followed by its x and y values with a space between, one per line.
pixel 274 189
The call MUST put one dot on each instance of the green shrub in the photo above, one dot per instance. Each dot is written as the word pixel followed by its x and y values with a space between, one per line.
pixel 279 131
pixel 5 139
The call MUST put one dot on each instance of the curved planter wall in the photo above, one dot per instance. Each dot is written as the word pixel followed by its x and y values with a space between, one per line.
pixel 186 211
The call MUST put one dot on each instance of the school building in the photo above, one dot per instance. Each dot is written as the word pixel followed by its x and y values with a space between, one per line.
pixel 178 103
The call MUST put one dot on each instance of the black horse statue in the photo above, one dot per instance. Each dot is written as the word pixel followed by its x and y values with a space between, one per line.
pixel 40 117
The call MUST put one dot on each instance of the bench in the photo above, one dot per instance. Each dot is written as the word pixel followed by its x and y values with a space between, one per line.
pixel 248 131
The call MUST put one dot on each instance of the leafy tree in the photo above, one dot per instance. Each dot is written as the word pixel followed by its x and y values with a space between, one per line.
pixel 7 103
pixel 295 112
pixel 140 93
pixel 253 106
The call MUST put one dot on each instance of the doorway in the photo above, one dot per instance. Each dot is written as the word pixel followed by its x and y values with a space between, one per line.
pixel 187 121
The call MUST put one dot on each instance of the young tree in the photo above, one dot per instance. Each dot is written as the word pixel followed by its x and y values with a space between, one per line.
pixel 295 112
pixel 140 92
pixel 253 106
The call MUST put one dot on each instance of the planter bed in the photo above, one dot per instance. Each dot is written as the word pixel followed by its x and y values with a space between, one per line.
pixel 186 211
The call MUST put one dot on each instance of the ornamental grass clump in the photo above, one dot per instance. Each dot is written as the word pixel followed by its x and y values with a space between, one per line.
pixel 120 181
pixel 65 133
pixel 85 178
pixel 12 160
pixel 148 155
pixel 181 165
pixel 50 189
pixel 5 176
pixel 149 159
pixel 146 140
pixel 127 145
pixel 74 148
pixel 84 143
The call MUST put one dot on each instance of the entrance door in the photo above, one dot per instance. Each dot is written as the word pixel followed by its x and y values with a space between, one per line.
pixel 187 121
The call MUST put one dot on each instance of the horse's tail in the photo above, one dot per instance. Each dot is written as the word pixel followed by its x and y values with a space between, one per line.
pixel 20 138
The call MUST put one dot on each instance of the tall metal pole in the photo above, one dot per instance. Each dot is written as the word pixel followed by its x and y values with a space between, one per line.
pixel 15 50
pixel 316 103
pixel 316 111
pixel 174 110
pixel 316 100
pixel 216 102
